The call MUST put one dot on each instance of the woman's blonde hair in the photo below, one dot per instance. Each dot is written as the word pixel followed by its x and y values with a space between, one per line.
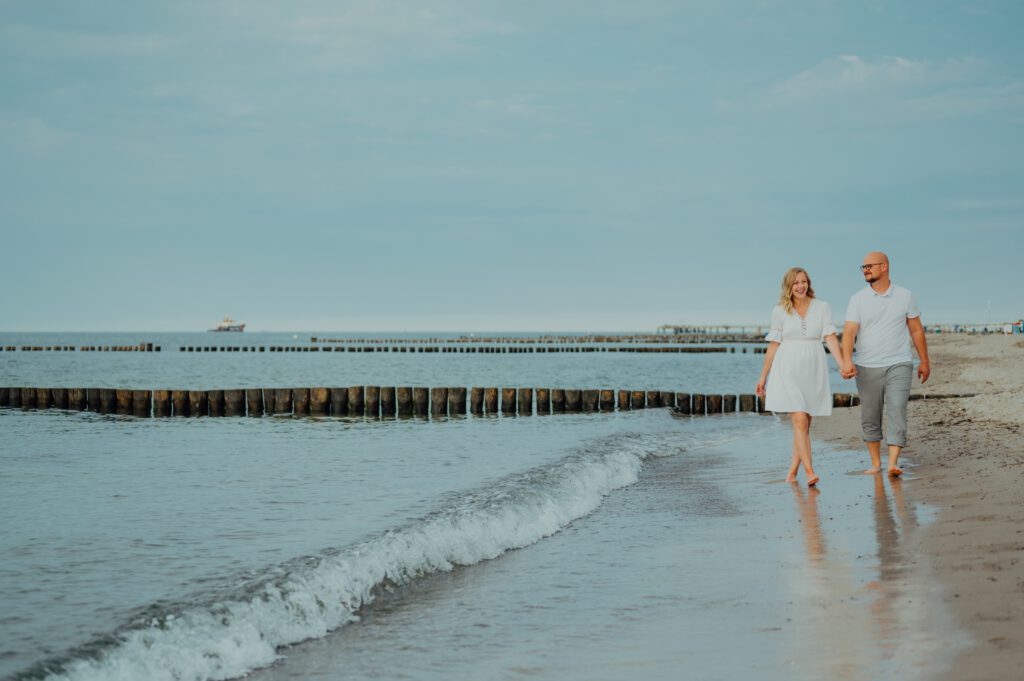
pixel 786 295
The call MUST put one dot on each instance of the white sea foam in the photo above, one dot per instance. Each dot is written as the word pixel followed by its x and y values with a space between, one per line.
pixel 236 632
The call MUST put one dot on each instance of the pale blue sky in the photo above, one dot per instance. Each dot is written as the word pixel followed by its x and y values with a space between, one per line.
pixel 588 165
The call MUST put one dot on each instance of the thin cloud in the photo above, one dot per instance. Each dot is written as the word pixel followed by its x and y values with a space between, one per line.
pixel 851 75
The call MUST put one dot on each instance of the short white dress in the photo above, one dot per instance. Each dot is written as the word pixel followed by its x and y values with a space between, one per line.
pixel 798 379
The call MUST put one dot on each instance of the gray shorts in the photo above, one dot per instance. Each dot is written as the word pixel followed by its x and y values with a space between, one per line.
pixel 884 389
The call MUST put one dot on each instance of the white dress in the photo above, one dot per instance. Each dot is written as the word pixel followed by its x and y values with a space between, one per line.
pixel 798 378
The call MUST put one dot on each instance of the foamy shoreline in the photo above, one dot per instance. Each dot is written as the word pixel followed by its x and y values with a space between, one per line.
pixel 968 462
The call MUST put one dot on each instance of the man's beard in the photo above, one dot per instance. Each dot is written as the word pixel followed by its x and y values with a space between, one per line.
pixel 871 278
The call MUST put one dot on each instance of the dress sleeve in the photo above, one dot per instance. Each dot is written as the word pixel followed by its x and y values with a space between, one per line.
pixel 828 327
pixel 775 331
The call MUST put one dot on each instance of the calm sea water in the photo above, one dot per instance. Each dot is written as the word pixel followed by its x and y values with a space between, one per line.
pixel 549 547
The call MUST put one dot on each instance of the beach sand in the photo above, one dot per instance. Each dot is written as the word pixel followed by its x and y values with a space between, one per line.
pixel 966 460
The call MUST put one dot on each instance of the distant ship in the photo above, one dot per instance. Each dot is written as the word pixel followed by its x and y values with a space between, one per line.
pixel 229 325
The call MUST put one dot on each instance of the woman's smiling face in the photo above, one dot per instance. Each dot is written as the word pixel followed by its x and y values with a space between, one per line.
pixel 800 285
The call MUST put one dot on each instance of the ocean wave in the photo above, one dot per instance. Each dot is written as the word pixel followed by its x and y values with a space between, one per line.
pixel 227 634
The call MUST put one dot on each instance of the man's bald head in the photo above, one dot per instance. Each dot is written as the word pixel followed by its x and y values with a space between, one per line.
pixel 876 267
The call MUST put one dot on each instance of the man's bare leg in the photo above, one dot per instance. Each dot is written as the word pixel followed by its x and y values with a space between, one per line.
pixel 875 450
pixel 894 455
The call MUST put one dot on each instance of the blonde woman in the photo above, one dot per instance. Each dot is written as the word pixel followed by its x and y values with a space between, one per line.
pixel 794 379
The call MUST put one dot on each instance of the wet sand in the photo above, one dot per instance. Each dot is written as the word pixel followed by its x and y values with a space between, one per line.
pixel 965 459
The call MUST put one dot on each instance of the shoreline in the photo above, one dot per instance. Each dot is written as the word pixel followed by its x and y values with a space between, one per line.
pixel 967 462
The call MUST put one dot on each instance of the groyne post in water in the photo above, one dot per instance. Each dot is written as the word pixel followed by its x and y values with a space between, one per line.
pixel 439 402
pixel 624 400
pixel 543 401
pixel 697 405
pixel 456 401
pixel 372 397
pixel 526 401
pixel 714 403
pixel 508 401
pixel 216 399
pixel 179 400
pixel 729 404
pixel 606 400
pixel 421 401
pixel 198 403
pixel 142 403
pixel 235 402
pixel 356 400
pixel 748 402
pixel 637 399
pixel 254 401
pixel 491 400
pixel 77 400
pixel 558 400
pixel 683 403
pixel 387 402
pixel 300 401
pixel 573 400
pixel 339 401
pixel 476 401
pixel 282 401
pixel 319 401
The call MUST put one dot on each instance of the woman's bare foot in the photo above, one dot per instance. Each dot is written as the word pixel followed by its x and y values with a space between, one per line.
pixel 791 477
pixel 872 471
pixel 895 472
pixel 813 480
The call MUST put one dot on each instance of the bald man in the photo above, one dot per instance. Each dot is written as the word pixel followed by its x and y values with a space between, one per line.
pixel 881 322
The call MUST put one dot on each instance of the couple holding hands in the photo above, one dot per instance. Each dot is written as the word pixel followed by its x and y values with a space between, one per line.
pixel 882 321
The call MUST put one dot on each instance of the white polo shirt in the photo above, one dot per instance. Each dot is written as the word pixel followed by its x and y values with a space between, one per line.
pixel 883 338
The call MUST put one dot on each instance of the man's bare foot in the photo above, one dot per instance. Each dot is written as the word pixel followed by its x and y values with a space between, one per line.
pixel 872 471
pixel 812 481
pixel 895 472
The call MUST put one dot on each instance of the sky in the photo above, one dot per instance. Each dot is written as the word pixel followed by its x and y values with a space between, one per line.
pixel 456 165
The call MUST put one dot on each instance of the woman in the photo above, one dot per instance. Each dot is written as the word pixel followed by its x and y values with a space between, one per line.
pixel 794 379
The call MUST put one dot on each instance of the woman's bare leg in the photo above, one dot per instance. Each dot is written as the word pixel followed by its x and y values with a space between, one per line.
pixel 801 423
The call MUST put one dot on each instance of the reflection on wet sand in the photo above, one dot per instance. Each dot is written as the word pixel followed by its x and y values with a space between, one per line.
pixel 807 507
pixel 892 537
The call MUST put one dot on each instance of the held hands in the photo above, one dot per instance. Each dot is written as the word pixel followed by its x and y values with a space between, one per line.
pixel 847 370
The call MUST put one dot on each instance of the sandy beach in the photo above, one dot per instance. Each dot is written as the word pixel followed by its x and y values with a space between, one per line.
pixel 966 461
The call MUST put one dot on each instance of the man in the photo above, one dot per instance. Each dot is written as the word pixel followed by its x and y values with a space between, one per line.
pixel 883 321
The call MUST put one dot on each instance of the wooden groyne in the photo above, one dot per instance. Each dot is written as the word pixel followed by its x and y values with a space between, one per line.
pixel 141 347
pixel 377 402
pixel 462 349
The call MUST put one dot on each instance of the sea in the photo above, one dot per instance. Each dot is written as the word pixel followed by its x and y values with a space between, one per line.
pixel 634 544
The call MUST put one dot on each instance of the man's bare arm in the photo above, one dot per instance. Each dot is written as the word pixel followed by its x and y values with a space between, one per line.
pixel 924 369
pixel 850 330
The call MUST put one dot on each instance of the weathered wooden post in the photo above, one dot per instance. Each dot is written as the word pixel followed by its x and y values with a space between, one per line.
pixel 77 399
pixel 216 400
pixel 405 401
pixel 58 397
pixel 456 401
pixel 637 399
pixel 319 401
pixel 44 400
pixel 760 402
pixel 254 402
pixel 624 399
pixel 300 401
pixel 697 405
pixel 14 397
pixel 339 401
pixel 108 401
pixel 161 403
pixel 590 400
pixel 373 399
pixel 29 398
pixel 387 402
pixel 526 401
pixel 491 400
pixel 854 400
pixel 653 399
pixel 142 403
pixel 508 401
pixel 438 402
pixel 356 400
pixel 282 401
pixel 607 400
pixel 573 400
pixel 683 403
pixel 558 400
pixel 543 401
pixel 668 399
pixel 748 402
pixel 179 402
pixel 714 403
pixel 234 403
pixel 729 404
pixel 198 403
pixel 421 401
pixel 841 400
pixel 5 397
pixel 476 401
